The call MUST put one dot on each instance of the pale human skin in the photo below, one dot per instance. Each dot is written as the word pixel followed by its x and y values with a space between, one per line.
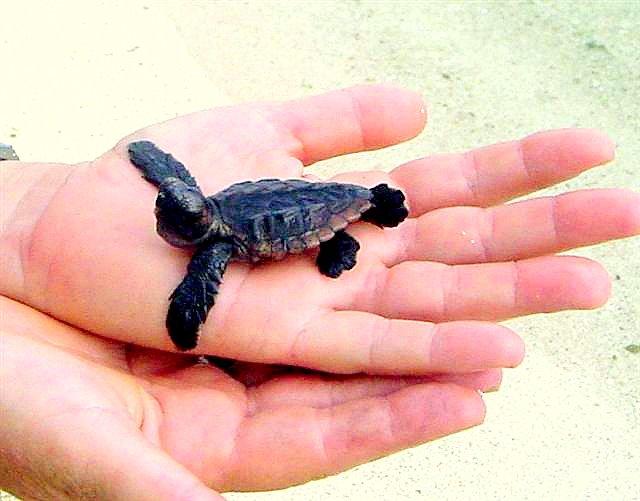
pixel 95 400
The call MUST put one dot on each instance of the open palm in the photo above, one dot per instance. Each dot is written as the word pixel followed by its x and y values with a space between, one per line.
pixel 80 245
pixel 419 299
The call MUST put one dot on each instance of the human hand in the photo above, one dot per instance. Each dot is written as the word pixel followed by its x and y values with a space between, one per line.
pixel 84 417
pixel 82 247
pixel 78 242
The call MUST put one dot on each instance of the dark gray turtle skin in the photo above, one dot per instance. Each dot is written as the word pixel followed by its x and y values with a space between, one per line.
pixel 253 221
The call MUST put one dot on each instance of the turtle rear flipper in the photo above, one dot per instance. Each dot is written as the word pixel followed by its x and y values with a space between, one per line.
pixel 337 255
pixel 388 207
pixel 156 165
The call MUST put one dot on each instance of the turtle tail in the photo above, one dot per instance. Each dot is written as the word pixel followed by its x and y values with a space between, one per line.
pixel 388 207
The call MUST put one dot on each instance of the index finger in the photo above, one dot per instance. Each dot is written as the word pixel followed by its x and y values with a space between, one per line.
pixel 349 120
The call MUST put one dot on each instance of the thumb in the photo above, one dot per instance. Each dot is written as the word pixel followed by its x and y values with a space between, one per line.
pixel 131 467
pixel 71 429
pixel 99 455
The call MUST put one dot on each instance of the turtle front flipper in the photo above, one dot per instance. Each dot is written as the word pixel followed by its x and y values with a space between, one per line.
pixel 156 165
pixel 337 255
pixel 194 297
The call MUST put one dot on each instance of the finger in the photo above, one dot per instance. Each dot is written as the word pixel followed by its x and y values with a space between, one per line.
pixel 515 231
pixel 276 383
pixel 439 293
pixel 350 120
pixel 322 391
pixel 286 446
pixel 352 341
pixel 496 173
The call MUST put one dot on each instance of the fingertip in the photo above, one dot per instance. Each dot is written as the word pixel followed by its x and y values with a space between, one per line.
pixel 572 150
pixel 630 217
pixel 596 147
pixel 513 348
pixel 349 120
pixel 389 114
pixel 578 283
pixel 494 380
pixel 467 407
pixel 465 346
pixel 471 409
pixel 555 283
pixel 504 347
pixel 416 107
pixel 607 145
pixel 434 410
pixel 593 280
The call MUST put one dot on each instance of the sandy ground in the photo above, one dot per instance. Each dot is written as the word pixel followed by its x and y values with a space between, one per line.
pixel 75 77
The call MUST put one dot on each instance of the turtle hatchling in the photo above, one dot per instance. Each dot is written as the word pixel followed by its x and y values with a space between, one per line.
pixel 252 221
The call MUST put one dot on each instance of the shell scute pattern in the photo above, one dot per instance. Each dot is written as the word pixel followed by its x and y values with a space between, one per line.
pixel 274 217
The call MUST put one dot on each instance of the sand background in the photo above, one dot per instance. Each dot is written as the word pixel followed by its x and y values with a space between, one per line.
pixel 77 76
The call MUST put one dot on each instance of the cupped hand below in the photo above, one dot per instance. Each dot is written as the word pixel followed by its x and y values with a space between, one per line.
pixel 156 425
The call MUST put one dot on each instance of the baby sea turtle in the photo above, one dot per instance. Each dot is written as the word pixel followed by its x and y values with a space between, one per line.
pixel 252 221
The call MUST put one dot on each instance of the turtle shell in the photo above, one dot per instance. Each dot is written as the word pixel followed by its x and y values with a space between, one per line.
pixel 271 217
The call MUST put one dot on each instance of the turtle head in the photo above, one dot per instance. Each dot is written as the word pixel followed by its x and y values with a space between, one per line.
pixel 184 215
